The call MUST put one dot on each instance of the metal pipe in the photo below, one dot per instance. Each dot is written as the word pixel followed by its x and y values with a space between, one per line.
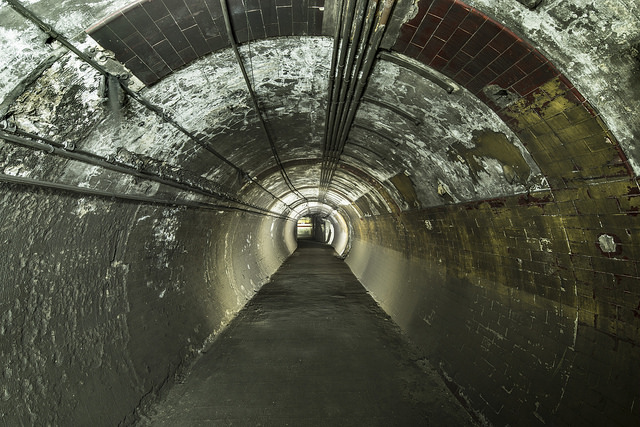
pixel 350 6
pixel 351 72
pixel 167 118
pixel 332 73
pixel 371 15
pixel 254 98
pixel 48 29
pixel 364 61
pixel 330 100
pixel 376 39
pixel 333 99
pixel 59 150
pixel 422 70
pixel 400 112
pixel 138 198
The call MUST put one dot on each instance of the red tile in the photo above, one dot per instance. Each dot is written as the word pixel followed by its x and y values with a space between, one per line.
pixel 534 80
pixel 456 14
pixel 501 64
pixel 406 33
pixel 472 22
pixel 400 45
pixel 503 40
pixel 566 81
pixel 433 47
pixel 440 7
pixel 462 4
pixel 495 107
pixel 412 50
pixel 485 57
pixel 463 78
pixel 486 77
pixel 476 84
pixel 517 51
pixel 578 95
pixel 530 63
pixel 438 63
pixel 426 57
pixel 509 77
pixel 481 38
pixel 446 28
pixel 453 45
pixel 426 30
pixel 473 67
pixel 457 63
pixel 423 6
pixel 570 95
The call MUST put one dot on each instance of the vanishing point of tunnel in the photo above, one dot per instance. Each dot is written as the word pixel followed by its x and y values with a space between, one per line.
pixel 320 212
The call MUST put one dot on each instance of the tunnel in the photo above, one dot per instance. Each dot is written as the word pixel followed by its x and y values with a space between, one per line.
pixel 473 163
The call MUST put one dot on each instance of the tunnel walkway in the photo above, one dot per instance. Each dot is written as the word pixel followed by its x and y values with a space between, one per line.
pixel 312 348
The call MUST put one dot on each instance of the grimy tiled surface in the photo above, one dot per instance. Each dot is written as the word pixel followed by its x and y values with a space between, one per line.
pixel 312 348
pixel 563 132
pixel 153 38
pixel 531 277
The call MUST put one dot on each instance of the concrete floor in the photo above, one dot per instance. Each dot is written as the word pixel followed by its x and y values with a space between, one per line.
pixel 312 348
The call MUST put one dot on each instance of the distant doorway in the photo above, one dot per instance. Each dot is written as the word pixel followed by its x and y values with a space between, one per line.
pixel 314 227
pixel 305 228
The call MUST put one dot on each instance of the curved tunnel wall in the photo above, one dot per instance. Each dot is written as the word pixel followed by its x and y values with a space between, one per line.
pixel 522 288
pixel 106 301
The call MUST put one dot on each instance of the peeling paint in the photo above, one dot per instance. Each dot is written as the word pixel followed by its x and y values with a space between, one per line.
pixel 592 43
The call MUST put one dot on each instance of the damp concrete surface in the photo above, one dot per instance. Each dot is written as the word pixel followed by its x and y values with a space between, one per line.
pixel 312 348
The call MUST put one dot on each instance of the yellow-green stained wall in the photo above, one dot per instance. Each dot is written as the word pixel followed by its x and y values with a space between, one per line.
pixel 526 300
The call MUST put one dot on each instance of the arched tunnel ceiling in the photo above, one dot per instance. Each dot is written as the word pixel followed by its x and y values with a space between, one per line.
pixel 550 97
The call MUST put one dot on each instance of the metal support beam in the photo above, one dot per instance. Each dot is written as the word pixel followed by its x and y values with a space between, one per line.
pixel 419 68
pixel 400 112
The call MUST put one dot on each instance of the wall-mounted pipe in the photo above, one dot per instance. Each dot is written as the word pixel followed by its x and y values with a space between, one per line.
pixel 400 112
pixel 333 95
pixel 376 39
pixel 254 98
pixel 419 68
pixel 329 151
pixel 349 49
pixel 53 34
pixel 120 196
pixel 332 74
pixel 347 96
pixel 67 151
pixel 342 111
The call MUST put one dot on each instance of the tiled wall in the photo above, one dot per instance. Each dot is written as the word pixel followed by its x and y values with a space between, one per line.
pixel 531 304
pixel 154 38
pixel 563 132
pixel 518 301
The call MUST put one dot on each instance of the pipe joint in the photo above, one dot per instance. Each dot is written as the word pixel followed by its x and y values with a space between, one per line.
pixel 8 126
